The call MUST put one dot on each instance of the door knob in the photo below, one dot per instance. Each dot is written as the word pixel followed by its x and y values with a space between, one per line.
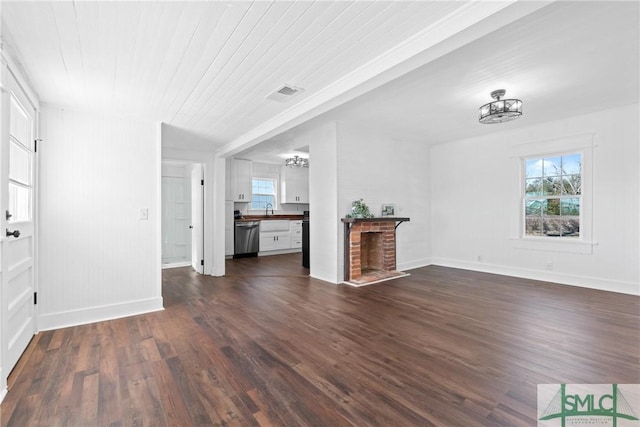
pixel 191 226
pixel 15 233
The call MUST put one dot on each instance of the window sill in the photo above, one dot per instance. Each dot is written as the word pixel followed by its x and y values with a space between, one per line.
pixel 553 245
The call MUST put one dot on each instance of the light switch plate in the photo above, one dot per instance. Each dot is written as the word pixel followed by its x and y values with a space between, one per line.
pixel 143 214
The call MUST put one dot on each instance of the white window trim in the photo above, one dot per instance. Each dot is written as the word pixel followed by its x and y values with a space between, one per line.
pixel 583 144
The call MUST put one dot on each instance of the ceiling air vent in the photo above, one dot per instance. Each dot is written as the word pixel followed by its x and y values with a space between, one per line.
pixel 285 93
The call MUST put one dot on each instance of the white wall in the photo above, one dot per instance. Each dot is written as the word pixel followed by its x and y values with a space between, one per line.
pixel 97 259
pixel 324 223
pixel 383 170
pixel 348 163
pixel 471 194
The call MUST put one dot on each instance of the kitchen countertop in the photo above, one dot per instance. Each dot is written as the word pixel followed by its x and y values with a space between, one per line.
pixel 268 217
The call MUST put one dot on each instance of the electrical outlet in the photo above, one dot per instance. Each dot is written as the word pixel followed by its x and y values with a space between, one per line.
pixel 549 265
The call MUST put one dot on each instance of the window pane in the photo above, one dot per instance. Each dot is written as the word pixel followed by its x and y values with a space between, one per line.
pixel 19 203
pixel 19 164
pixel 572 184
pixel 20 125
pixel 533 187
pixel 552 166
pixel 572 164
pixel 263 186
pixel 570 207
pixel 552 186
pixel 533 207
pixel 533 168
pixel 260 201
pixel 551 207
pixel 551 227
pixel 571 227
pixel 533 226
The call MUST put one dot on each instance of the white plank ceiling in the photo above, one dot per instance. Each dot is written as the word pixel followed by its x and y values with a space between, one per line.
pixel 566 59
pixel 205 67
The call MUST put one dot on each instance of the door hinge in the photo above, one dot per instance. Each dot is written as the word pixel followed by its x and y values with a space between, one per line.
pixel 202 182
pixel 35 298
pixel 202 262
pixel 35 144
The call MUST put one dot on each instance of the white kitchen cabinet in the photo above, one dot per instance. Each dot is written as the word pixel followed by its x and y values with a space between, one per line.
pixel 296 234
pixel 280 236
pixel 275 241
pixel 294 185
pixel 240 180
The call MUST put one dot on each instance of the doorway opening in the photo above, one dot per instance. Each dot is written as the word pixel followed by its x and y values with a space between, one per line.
pixel 183 215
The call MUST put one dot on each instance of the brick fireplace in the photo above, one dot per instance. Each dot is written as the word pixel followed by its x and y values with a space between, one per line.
pixel 370 249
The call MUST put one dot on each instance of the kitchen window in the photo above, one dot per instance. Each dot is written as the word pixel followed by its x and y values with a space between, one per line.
pixel 553 196
pixel 263 193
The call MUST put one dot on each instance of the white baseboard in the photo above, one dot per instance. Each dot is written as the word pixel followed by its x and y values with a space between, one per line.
pixel 177 264
pixel 280 252
pixel 84 316
pixel 3 393
pixel 410 265
pixel 547 276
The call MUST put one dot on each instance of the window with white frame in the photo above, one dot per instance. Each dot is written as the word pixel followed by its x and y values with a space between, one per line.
pixel 263 193
pixel 552 196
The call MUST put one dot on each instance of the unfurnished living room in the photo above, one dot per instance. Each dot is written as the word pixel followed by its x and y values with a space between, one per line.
pixel 320 213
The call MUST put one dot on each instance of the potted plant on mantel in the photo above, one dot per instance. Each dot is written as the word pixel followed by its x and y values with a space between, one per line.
pixel 359 210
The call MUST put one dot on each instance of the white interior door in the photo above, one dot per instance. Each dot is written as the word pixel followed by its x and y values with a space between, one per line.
pixel 197 218
pixel 17 240
pixel 176 219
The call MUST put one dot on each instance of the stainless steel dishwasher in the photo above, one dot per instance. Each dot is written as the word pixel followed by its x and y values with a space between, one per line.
pixel 246 239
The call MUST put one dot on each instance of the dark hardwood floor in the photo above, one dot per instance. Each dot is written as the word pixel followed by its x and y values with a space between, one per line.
pixel 278 265
pixel 441 347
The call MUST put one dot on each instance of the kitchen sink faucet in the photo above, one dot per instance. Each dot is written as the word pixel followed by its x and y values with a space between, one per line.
pixel 266 209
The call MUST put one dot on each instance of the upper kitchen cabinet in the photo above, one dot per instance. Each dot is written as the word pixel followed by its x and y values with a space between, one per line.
pixel 240 180
pixel 294 185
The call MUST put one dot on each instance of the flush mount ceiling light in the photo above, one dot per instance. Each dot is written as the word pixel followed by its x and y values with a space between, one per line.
pixel 297 161
pixel 500 110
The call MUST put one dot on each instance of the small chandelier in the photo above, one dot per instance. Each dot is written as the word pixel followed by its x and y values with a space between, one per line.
pixel 500 110
pixel 297 161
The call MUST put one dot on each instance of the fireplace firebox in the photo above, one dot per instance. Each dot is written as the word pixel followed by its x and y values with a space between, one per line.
pixel 370 249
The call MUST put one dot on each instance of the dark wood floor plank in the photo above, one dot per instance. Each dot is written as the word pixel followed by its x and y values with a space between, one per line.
pixel 269 346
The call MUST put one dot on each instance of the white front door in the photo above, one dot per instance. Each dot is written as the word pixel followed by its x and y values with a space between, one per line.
pixel 17 240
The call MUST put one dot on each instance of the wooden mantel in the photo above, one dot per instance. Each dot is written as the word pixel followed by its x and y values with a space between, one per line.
pixel 366 260
pixel 378 219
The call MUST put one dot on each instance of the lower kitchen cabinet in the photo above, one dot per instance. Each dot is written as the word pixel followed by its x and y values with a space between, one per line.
pixel 296 234
pixel 280 236
pixel 274 241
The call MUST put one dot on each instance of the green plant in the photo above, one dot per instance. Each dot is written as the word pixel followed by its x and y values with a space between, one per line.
pixel 359 210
